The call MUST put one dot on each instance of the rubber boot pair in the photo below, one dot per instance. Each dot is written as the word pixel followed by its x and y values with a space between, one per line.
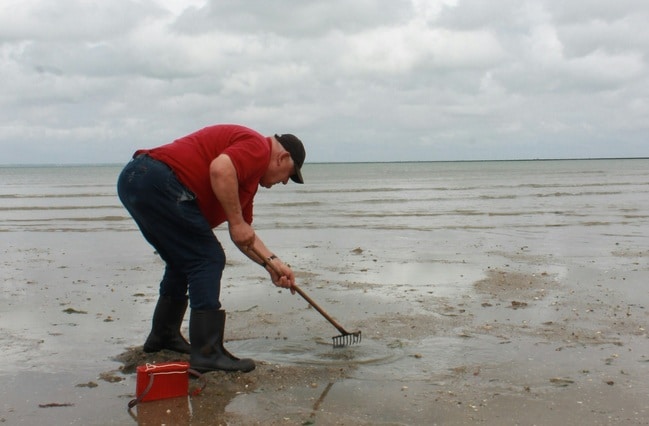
pixel 206 330
pixel 165 327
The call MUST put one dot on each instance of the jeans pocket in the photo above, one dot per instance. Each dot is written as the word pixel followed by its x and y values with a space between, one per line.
pixel 186 195
pixel 177 190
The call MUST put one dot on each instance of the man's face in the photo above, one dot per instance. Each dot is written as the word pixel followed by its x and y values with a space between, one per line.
pixel 279 171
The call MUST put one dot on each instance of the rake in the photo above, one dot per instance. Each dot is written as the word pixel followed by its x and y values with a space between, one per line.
pixel 346 338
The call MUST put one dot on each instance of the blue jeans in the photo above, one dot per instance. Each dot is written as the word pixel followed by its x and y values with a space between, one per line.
pixel 168 216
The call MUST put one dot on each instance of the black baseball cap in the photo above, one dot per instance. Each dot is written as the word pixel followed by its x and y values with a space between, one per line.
pixel 294 147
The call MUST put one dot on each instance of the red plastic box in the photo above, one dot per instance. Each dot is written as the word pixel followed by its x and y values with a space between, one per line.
pixel 160 381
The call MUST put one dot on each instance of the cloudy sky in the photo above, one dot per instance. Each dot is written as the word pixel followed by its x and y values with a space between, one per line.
pixel 89 81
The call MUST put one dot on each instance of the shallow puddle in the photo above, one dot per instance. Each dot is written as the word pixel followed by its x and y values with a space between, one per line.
pixel 320 352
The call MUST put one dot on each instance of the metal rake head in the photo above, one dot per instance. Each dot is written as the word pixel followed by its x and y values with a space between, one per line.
pixel 346 339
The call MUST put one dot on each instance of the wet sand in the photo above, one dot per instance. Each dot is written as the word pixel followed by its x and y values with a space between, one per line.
pixel 459 327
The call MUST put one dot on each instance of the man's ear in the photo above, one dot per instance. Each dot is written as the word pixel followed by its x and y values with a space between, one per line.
pixel 283 156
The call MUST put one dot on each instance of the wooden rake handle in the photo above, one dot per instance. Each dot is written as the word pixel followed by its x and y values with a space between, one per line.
pixel 302 293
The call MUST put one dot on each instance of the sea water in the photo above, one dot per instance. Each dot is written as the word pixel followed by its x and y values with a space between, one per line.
pixel 415 216
pixel 527 196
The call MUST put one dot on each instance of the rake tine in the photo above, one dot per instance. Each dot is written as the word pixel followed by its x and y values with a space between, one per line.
pixel 346 339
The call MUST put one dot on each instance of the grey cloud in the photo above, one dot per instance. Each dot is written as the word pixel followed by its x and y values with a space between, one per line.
pixel 292 18
pixel 377 80
pixel 73 20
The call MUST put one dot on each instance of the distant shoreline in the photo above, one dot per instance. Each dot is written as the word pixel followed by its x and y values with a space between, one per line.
pixel 45 165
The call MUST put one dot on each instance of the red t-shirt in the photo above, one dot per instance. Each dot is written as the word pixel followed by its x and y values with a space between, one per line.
pixel 190 157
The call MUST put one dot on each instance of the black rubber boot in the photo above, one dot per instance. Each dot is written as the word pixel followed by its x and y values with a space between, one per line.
pixel 165 328
pixel 208 354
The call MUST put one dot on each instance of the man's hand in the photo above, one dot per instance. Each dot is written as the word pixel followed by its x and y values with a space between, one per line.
pixel 281 274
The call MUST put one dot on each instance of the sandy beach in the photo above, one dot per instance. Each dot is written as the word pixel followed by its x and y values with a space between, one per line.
pixel 489 294
pixel 514 335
